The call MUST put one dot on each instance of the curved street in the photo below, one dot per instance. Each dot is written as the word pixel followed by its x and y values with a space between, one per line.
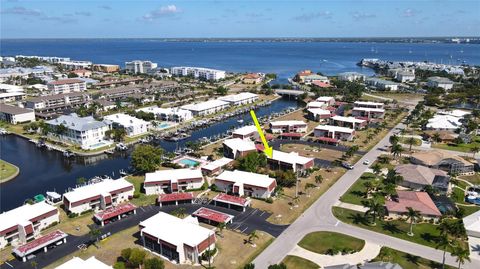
pixel 319 217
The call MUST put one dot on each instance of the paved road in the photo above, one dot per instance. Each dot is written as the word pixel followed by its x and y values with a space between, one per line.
pixel 319 217
pixel 245 222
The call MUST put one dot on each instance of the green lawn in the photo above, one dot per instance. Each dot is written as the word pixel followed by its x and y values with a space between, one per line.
pixel 406 260
pixel 458 195
pixel 294 262
pixel 404 140
pixel 460 147
pixel 6 170
pixel 469 210
pixel 424 233
pixel 474 179
pixel 322 242
pixel 356 193
pixel 140 199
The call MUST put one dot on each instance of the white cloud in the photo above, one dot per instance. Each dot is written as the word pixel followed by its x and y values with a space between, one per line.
pixel 307 17
pixel 163 11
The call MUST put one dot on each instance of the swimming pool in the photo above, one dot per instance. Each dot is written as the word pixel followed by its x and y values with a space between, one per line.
pixel 189 162
pixel 163 125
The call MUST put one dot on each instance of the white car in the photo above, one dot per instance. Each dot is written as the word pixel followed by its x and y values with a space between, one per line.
pixel 366 162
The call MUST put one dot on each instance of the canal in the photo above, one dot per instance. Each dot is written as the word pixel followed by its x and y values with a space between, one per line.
pixel 42 170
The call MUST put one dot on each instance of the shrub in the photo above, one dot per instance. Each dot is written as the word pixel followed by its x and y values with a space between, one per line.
pixel 269 200
pixel 72 215
pixel 214 187
pixel 119 265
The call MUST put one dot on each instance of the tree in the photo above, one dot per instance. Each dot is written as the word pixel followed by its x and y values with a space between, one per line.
pixel 462 255
pixel 179 212
pixel 412 215
pixel 394 139
pixel 397 150
pixel 60 130
pixel 146 158
pixel 125 254
pixel 81 180
pixel 119 265
pixel 377 168
pixel 221 90
pixel 318 179
pixel 94 234
pixel 118 134
pixel 249 266
pixel 252 162
pixel 444 244
pixel 390 190
pixel 411 141
pixel 154 263
pixel 277 266
pixel 474 150
pixel 392 177
pixel 34 264
pixel 137 257
pixel 374 209
pixel 436 137
pixel 309 186
pixel 220 227
pixel 252 236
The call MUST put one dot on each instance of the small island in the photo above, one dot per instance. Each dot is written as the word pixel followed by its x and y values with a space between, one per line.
pixel 8 171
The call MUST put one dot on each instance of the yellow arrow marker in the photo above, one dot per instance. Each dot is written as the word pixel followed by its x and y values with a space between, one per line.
pixel 268 150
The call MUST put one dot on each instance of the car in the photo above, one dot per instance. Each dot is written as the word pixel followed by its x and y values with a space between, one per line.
pixel 347 165
pixel 366 162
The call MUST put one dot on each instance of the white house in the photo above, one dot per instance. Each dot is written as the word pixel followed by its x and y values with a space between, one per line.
pixel 368 104
pixel 133 126
pixel 86 132
pixel 351 76
pixel 289 161
pixel 242 98
pixel 249 131
pixel 139 67
pixel 336 132
pixel 23 223
pixel 236 147
pixel 350 122
pixel 207 107
pixel 405 76
pixel 318 114
pixel 329 100
pixel 169 114
pixel 444 122
pixel 66 86
pixel 77 263
pixel 167 181
pixel 316 104
pixel 288 126
pixel 98 196
pixel 15 114
pixel 175 239
pixel 246 184
pixel 382 84
pixel 440 82
pixel 198 72
pixel 368 112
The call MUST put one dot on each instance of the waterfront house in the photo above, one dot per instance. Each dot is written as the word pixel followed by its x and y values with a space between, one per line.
pixel 24 223
pixel 368 104
pixel 351 76
pixel 419 201
pixel 169 114
pixel 76 263
pixel 417 177
pixel 11 93
pixel 252 78
pixel 207 107
pixel 15 114
pixel 404 76
pixel 328 100
pixel 242 98
pixel 97 196
pixel 318 114
pixel 443 160
pixel 85 132
pixel 368 112
pixel 300 76
pixel 236 147
pixel 246 184
pixel 66 86
pixel 168 181
pixel 288 126
pixel 249 131
pixel 139 67
pixel 334 132
pixel 444 123
pixel 316 104
pixel 175 239
pixel 350 122
pixel 440 82
pixel 289 161
pixel 133 126
pixel 312 78
pixel 50 105
pixel 198 72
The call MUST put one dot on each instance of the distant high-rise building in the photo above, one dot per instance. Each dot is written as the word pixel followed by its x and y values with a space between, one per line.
pixel 139 67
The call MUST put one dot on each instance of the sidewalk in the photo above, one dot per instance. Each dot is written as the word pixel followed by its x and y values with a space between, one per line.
pixel 351 206
pixel 368 252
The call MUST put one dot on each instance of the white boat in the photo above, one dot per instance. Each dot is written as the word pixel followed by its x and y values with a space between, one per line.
pixel 121 146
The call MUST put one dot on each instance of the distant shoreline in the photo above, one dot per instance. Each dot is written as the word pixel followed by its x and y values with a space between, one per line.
pixel 472 40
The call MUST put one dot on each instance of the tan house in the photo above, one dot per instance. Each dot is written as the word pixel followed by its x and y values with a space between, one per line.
pixel 444 161
pixel 417 177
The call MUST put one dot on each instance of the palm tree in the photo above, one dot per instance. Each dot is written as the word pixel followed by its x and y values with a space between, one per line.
pixel 462 255
pixel 411 141
pixel 436 137
pixel 374 209
pixel 444 228
pixel 249 266
pixel 307 187
pixel 390 190
pixel 34 264
pixel 397 150
pixel 252 236
pixel 94 234
pixel 220 227
pixel 412 215
pixel 318 179
pixel 474 150
pixel 444 244
pixel 377 168
pixel 394 139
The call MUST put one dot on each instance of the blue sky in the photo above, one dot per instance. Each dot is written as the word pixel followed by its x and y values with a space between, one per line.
pixel 247 18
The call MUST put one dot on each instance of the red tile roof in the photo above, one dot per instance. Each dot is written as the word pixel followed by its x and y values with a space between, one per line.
pixel 420 201
pixel 39 243
pixel 115 211
pixel 65 81
pixel 321 84
pixel 179 196
pixel 259 147
pixel 222 197
pixel 212 215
